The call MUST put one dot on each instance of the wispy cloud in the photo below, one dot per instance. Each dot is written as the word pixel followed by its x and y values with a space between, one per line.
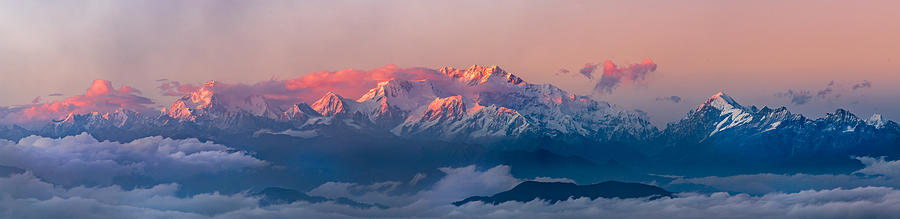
pixel 832 90
pixel 674 99
pixel 863 84
pixel 588 70
pixel 175 88
pixel 796 97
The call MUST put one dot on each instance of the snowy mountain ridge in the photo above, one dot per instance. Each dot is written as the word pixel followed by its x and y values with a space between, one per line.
pixel 488 105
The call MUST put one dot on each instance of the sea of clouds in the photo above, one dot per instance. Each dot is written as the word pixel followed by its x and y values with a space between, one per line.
pixel 72 177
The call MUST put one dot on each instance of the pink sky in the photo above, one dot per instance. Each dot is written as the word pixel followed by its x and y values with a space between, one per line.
pixel 751 50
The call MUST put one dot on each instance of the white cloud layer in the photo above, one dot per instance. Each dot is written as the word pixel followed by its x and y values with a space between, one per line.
pixel 81 159
pixel 458 184
pixel 32 195
pixel 25 196
pixel 877 172
pixel 878 166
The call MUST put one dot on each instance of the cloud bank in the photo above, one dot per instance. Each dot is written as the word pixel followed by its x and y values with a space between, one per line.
pixel 353 82
pixel 81 159
pixel 101 96
pixel 877 172
pixel 27 196
pixel 878 166
pixel 308 88
pixel 34 198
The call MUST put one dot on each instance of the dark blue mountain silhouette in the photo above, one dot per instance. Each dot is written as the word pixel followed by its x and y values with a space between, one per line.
pixel 559 191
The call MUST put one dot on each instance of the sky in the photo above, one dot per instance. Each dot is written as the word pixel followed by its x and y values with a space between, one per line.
pixel 774 53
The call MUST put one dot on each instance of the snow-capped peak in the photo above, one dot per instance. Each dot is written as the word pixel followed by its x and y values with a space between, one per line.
pixel 206 100
pixel 329 105
pixel 404 95
pixel 476 74
pixel 185 107
pixel 731 114
pixel 445 107
pixel 721 101
pixel 300 111
pixel 203 96
pixel 876 121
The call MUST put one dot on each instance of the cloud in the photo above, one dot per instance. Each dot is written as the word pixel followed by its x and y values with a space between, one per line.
pixel 877 172
pixel 828 90
pixel 310 87
pixel 457 184
pixel 27 196
pixel 768 183
pixel 461 183
pixel 863 84
pixel 674 99
pixel 797 97
pixel 81 159
pixel 54 95
pixel 36 199
pixel 562 71
pixel 36 100
pixel 866 202
pixel 613 75
pixel 878 166
pixel 174 88
pixel 354 83
pixel 588 70
pixel 831 90
pixel 101 96
pixel 418 177
pixel 551 179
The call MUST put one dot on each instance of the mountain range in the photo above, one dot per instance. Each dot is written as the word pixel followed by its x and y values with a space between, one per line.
pixel 490 107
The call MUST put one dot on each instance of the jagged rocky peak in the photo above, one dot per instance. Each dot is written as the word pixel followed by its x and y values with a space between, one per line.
pixel 204 95
pixel 720 101
pixel 876 121
pixel 445 107
pixel 116 118
pixel 389 88
pixel 300 111
pixel 185 107
pixel 841 115
pixel 725 113
pixel 400 94
pixel 476 74
pixel 213 102
pixel 329 105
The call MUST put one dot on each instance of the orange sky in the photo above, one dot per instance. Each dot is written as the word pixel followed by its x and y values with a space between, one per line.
pixel 751 49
